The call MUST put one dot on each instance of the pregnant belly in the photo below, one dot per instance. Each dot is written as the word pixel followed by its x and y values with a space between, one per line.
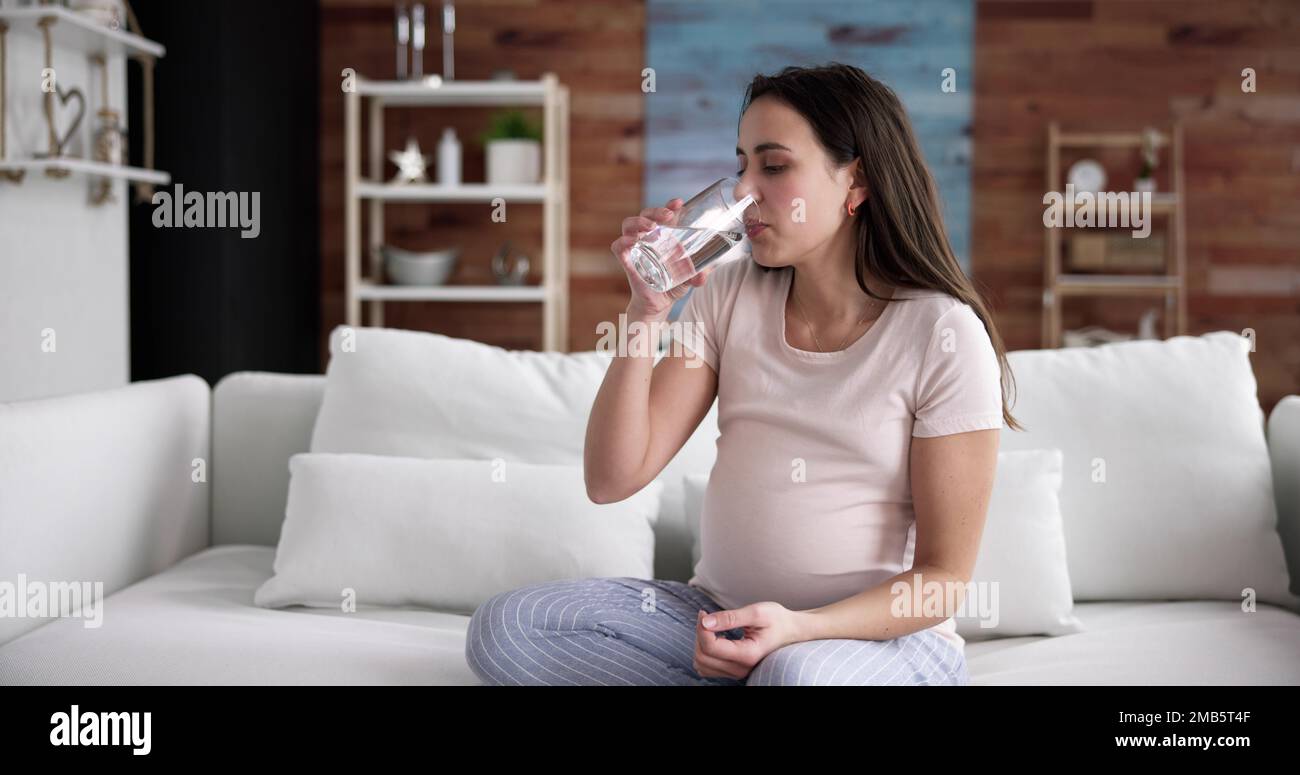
pixel 799 556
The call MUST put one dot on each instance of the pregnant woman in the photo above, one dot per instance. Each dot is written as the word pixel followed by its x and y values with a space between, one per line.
pixel 859 381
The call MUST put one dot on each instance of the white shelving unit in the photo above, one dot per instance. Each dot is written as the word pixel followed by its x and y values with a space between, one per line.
pixel 101 169
pixel 552 194
pixel 465 192
pixel 1170 284
pixel 79 32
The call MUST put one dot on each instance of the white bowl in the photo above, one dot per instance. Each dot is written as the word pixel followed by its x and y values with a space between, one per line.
pixel 405 267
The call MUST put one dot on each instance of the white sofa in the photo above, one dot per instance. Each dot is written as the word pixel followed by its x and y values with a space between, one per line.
pixel 173 495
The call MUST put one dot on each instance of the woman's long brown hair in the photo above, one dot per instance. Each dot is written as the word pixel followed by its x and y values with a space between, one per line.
pixel 901 236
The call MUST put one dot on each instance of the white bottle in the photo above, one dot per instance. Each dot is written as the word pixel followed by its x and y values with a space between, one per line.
pixel 449 158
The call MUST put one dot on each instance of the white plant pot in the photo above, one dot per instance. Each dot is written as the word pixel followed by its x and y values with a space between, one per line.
pixel 1144 184
pixel 514 161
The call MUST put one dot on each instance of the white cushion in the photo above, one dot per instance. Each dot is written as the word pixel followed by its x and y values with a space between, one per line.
pixel 1022 551
pixel 446 534
pixel 1167 491
pixel 108 486
pixel 1284 451
pixel 1150 643
pixel 419 394
pixel 259 421
pixel 195 623
pixel 694 486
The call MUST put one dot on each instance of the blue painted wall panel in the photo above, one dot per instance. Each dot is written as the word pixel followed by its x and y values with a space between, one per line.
pixel 705 53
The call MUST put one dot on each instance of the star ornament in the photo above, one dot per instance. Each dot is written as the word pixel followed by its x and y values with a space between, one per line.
pixel 411 164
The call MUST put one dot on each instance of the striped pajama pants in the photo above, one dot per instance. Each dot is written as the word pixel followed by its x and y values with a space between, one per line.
pixel 621 630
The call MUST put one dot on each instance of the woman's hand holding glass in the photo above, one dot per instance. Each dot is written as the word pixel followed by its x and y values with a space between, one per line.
pixel 647 303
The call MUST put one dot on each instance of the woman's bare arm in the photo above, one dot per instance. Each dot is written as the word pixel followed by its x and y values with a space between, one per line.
pixel 644 412
pixel 642 416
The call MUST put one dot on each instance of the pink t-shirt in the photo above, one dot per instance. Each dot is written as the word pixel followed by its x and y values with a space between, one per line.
pixel 809 500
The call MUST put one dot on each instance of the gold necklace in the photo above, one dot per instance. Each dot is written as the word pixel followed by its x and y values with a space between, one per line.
pixel 814 333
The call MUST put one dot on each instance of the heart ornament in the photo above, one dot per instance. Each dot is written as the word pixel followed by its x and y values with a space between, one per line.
pixel 66 95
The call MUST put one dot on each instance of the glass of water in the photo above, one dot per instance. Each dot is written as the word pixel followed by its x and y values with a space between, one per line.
pixel 708 225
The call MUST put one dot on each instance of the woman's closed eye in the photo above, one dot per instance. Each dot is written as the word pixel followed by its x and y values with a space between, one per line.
pixel 771 170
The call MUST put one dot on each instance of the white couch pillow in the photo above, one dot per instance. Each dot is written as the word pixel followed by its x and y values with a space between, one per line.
pixel 1022 548
pixel 446 534
pixel 1021 566
pixel 1167 489
pixel 420 394
pixel 693 487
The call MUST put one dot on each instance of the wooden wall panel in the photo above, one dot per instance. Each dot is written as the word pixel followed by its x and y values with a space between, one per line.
pixel 1121 64
pixel 693 115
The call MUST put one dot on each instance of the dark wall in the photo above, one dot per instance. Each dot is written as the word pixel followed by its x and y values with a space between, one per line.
pixel 237 104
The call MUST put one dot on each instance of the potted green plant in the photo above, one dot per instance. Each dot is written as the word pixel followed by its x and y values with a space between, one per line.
pixel 513 146
pixel 1146 180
